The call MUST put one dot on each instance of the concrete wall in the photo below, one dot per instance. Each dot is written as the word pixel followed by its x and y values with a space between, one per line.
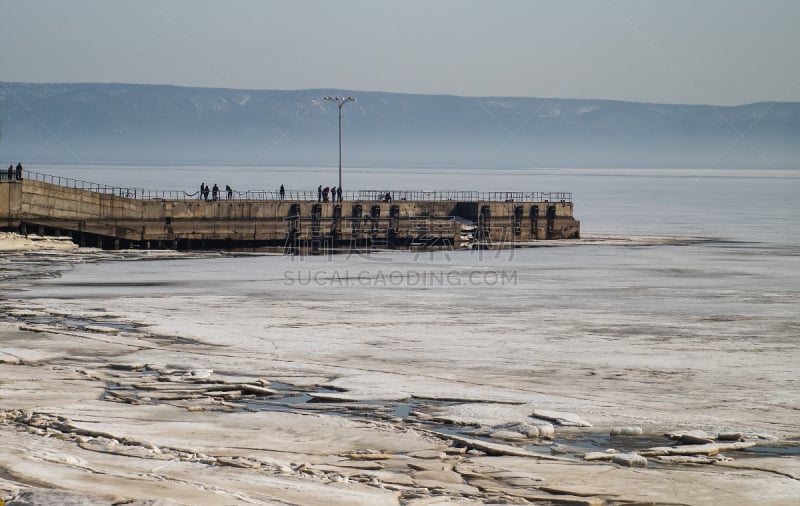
pixel 10 203
pixel 40 204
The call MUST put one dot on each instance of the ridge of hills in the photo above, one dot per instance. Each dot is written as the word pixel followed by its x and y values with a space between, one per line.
pixel 89 123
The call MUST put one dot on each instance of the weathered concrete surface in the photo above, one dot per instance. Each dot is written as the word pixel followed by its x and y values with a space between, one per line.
pixel 10 203
pixel 164 223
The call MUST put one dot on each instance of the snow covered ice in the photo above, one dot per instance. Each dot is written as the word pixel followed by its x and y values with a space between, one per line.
pixel 215 379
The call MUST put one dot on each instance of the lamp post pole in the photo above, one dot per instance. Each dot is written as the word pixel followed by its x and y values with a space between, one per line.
pixel 340 101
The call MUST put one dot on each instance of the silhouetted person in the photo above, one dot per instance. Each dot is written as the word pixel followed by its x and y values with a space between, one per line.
pixel 325 192
pixel 283 192
pixel 319 194
pixel 387 197
pixel 11 172
pixel 215 192
pixel 333 194
pixel 339 193
pixel 205 193
pixel 19 170
pixel 229 190
pixel 202 189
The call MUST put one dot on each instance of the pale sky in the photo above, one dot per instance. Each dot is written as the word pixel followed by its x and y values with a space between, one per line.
pixel 722 52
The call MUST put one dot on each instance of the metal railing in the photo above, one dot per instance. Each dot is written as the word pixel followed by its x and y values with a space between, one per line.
pixel 465 196
pixel 302 195
pixel 120 191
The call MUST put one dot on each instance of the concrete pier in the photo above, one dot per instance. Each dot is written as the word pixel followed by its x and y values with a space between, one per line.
pixel 111 218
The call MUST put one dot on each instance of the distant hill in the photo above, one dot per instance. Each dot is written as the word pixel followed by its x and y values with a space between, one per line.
pixel 155 124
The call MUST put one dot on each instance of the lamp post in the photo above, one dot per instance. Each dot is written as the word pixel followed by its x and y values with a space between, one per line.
pixel 340 101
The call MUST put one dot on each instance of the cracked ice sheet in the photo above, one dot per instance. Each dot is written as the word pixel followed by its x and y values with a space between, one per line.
pixel 451 347
pixel 215 433
pixel 631 366
pixel 367 359
pixel 487 414
pixel 710 485
pixel 395 352
pixel 61 465
pixel 284 438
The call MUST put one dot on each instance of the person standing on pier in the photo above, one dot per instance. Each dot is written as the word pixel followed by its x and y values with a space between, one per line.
pixel 333 194
pixel 229 191
pixel 319 194
pixel 325 192
pixel 11 172
pixel 19 170
pixel 215 193
pixel 202 189
pixel 283 192
pixel 339 193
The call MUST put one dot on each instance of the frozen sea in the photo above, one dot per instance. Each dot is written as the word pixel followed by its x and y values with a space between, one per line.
pixel 687 260
pixel 678 309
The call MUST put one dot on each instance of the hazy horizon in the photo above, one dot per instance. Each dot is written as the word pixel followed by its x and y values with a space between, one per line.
pixel 124 123
pixel 356 91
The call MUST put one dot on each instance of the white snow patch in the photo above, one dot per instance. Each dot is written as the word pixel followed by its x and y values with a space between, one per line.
pixel 587 109
pixel 242 99
pixel 485 413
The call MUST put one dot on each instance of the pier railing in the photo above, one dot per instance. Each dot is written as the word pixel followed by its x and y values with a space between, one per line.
pixel 465 196
pixel 302 195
